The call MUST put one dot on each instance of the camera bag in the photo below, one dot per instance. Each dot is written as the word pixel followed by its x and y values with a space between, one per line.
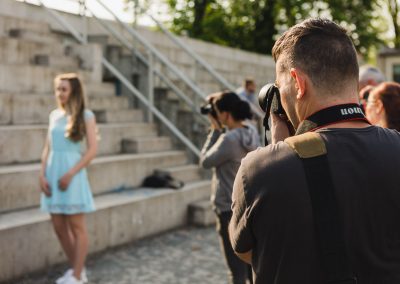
pixel 311 149
pixel 162 179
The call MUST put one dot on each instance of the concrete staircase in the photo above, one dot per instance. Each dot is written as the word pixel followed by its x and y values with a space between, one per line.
pixel 130 149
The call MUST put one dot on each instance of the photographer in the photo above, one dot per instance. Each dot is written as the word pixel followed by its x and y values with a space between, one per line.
pixel 319 207
pixel 223 151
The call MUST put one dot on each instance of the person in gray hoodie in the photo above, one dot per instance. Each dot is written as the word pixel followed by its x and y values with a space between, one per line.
pixel 223 151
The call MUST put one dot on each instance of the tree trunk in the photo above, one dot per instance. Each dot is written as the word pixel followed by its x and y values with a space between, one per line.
pixel 394 12
pixel 199 12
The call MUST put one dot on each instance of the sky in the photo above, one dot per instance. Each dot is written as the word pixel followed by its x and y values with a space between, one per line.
pixel 117 6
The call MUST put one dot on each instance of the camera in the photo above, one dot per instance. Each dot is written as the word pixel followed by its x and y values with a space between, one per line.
pixel 269 100
pixel 208 108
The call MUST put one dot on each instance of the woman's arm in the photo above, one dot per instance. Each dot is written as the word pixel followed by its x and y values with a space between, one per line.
pixel 91 140
pixel 44 185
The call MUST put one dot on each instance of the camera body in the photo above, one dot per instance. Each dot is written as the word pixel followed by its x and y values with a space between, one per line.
pixel 208 108
pixel 269 100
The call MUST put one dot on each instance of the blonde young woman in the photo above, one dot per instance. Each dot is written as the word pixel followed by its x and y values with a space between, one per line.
pixel 63 178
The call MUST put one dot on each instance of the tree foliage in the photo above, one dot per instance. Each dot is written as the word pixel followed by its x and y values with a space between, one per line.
pixel 254 24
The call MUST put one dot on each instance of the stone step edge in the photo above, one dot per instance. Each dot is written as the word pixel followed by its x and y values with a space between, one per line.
pixel 183 167
pixel 103 202
pixel 102 125
pixel 7 169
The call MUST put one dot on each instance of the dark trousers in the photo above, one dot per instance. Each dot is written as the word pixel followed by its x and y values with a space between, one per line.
pixel 239 271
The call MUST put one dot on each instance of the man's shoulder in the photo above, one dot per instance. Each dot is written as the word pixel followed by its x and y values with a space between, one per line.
pixel 271 157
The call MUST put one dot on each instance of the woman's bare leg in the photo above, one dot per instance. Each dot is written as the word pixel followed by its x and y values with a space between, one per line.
pixel 79 231
pixel 64 235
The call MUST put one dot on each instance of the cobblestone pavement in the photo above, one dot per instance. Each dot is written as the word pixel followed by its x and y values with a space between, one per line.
pixel 189 255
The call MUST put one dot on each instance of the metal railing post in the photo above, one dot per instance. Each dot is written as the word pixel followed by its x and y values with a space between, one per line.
pixel 82 8
pixel 150 84
pixel 156 53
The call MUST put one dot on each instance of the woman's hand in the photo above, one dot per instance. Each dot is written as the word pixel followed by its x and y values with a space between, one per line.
pixel 214 123
pixel 44 186
pixel 64 181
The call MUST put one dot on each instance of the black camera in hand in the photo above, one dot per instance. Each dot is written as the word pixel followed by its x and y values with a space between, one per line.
pixel 208 108
pixel 269 100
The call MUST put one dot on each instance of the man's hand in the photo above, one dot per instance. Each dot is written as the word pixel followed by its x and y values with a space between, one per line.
pixel 44 186
pixel 64 181
pixel 246 257
pixel 279 128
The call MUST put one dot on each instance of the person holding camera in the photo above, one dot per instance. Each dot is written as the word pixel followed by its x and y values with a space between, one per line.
pixel 319 206
pixel 223 151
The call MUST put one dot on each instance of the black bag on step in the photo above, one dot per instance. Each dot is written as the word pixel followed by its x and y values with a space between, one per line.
pixel 162 179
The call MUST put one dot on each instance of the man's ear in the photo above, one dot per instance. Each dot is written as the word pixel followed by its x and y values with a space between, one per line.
pixel 300 79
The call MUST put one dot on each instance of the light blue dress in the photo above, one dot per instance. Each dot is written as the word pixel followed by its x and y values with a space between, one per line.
pixel 63 155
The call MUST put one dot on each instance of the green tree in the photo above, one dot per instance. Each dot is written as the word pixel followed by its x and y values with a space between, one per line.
pixel 393 9
pixel 254 24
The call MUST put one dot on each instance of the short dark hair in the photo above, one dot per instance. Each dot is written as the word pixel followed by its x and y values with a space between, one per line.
pixel 232 103
pixel 321 49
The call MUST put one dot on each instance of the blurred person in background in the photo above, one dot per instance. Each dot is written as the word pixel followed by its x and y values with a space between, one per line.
pixel 368 78
pixel 369 75
pixel 223 151
pixel 383 105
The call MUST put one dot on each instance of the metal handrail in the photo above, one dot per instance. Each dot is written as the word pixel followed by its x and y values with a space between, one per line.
pixel 202 62
pixel 167 81
pixel 127 84
pixel 161 57
pixel 194 55
pixel 63 22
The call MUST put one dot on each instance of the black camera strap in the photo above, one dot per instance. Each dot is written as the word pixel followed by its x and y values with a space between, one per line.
pixel 330 115
pixel 327 225
pixel 327 222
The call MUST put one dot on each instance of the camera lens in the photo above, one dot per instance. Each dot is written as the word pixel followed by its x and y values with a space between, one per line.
pixel 206 109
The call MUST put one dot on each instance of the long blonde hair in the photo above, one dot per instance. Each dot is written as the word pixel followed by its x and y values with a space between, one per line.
pixel 75 107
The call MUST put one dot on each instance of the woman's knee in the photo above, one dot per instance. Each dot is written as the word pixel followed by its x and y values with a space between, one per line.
pixel 60 226
pixel 77 226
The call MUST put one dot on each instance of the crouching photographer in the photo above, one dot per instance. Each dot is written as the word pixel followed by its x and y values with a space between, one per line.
pixel 229 140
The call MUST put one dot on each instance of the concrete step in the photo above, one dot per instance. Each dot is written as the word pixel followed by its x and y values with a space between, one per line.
pixel 7 23
pixel 35 109
pixel 16 51
pixel 186 173
pixel 100 89
pixel 55 61
pixel 201 213
pixel 36 79
pixel 24 143
pixel 120 218
pixel 36 36
pixel 19 186
pixel 121 115
pixel 146 144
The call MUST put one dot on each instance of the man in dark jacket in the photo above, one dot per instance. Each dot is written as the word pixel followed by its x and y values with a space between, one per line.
pixel 291 230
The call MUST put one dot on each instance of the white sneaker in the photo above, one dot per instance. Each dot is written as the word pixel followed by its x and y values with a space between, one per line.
pixel 72 280
pixel 84 276
pixel 67 274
